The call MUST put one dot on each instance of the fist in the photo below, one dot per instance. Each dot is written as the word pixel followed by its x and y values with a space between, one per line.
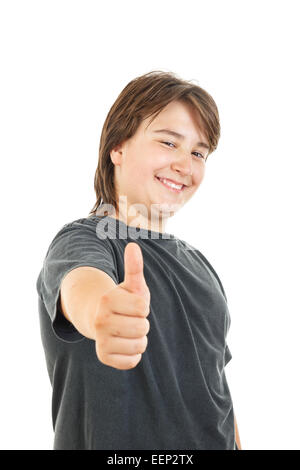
pixel 121 322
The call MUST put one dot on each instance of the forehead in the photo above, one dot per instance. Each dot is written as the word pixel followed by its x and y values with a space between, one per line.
pixel 181 117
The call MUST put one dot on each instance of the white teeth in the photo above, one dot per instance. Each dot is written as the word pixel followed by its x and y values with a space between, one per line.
pixel 172 185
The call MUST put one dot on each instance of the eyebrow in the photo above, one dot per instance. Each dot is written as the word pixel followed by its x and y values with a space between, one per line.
pixel 180 136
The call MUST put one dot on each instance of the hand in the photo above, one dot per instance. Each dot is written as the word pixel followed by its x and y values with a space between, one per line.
pixel 121 325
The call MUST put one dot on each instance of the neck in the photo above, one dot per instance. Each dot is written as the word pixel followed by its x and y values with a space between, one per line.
pixel 156 224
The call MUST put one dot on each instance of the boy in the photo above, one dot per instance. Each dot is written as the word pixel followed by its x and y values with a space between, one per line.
pixel 133 319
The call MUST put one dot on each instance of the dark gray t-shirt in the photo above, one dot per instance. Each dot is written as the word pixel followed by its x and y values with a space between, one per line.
pixel 177 397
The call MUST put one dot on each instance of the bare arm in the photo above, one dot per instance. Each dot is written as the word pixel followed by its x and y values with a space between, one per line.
pixel 237 436
pixel 80 292
pixel 112 315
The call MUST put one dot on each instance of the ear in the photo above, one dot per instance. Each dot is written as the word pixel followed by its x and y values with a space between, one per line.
pixel 116 154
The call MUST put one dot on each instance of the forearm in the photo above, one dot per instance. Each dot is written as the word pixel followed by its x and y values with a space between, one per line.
pixel 81 290
pixel 237 436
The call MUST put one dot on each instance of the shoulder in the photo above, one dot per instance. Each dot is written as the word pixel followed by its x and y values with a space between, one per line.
pixel 80 233
pixel 85 224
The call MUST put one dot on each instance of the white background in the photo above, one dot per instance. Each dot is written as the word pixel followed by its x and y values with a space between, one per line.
pixel 63 64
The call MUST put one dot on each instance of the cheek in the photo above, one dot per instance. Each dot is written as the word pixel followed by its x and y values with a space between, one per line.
pixel 161 158
pixel 137 174
pixel 151 162
pixel 199 175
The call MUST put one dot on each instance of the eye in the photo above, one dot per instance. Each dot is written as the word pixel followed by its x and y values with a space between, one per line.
pixel 201 156
pixel 167 143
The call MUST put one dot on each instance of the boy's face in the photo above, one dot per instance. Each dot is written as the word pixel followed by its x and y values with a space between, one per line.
pixel 140 160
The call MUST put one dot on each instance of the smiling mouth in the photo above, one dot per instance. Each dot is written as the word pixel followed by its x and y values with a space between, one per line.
pixel 169 186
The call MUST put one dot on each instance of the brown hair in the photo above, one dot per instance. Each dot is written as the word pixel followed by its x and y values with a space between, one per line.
pixel 141 98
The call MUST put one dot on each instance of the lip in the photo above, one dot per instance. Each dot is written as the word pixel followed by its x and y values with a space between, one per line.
pixel 168 187
pixel 172 181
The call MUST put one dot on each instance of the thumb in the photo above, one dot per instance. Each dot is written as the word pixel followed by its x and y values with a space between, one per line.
pixel 134 280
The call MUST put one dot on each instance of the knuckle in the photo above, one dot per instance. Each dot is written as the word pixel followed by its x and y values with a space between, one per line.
pixel 147 326
pixel 146 307
pixel 140 345
pixel 104 299
pixel 140 328
pixel 144 344
pixel 101 318
pixel 134 347
pixel 132 362
pixel 129 363
pixel 140 304
pixel 136 330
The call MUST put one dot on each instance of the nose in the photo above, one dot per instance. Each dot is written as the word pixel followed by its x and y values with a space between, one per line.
pixel 183 164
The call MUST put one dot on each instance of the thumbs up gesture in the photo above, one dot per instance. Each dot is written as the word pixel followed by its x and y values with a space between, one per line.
pixel 121 325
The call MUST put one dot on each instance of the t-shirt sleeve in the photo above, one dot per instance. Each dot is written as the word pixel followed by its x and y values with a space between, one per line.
pixel 76 244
